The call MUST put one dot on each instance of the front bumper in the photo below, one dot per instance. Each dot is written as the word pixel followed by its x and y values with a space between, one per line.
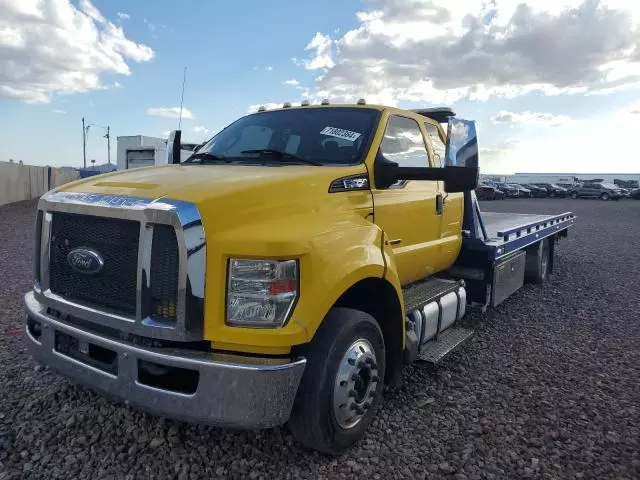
pixel 227 394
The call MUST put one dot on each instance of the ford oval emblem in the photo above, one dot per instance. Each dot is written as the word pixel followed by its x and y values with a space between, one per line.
pixel 85 260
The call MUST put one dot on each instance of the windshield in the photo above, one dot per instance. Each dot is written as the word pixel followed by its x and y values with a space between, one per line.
pixel 610 186
pixel 326 136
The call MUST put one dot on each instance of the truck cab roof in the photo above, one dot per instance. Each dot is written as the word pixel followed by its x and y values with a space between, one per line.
pixel 438 114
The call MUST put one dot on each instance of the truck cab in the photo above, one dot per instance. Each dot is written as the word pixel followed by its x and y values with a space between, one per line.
pixel 284 272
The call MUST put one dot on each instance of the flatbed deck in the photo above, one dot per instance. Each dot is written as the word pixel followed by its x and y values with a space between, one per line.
pixel 499 234
pixel 496 223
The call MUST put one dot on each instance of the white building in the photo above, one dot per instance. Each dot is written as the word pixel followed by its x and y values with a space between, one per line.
pixel 140 151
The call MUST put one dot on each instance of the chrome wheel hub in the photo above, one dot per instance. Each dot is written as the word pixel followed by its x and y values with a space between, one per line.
pixel 356 384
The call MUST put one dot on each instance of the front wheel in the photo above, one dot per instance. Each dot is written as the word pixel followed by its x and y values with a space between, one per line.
pixel 574 195
pixel 341 388
pixel 605 196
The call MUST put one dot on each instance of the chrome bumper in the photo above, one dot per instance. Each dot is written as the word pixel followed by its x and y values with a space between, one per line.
pixel 227 394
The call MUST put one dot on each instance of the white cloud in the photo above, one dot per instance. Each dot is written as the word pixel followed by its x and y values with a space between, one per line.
pixel 293 82
pixel 123 16
pixel 58 111
pixel 529 118
pixel 269 68
pixel 629 116
pixel 201 129
pixel 441 51
pixel 169 112
pixel 321 46
pixel 55 47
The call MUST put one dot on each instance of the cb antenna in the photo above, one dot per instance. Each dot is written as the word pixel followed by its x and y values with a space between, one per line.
pixel 184 78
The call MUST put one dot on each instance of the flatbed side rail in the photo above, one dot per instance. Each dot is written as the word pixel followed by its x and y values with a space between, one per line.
pixel 533 227
pixel 528 235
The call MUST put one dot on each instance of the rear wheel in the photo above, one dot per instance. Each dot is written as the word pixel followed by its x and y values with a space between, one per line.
pixel 537 262
pixel 342 385
pixel 574 195
pixel 605 196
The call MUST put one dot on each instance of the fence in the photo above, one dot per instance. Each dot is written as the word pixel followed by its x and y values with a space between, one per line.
pixel 24 182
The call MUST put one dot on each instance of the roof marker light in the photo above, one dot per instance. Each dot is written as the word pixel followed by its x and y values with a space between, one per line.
pixel 304 103
pixel 286 105
pixel 262 108
pixel 325 101
pixel 362 101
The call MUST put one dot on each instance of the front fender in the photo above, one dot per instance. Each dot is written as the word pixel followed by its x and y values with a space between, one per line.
pixel 333 256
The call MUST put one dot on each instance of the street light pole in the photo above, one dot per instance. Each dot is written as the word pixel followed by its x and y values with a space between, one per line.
pixel 84 144
pixel 108 137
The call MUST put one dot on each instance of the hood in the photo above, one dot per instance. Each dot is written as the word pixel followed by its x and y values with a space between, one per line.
pixel 239 193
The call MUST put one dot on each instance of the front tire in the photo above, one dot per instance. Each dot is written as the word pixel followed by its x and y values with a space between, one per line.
pixel 341 388
pixel 605 196
pixel 574 195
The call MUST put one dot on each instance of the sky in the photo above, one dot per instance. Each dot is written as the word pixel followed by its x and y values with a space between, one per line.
pixel 554 85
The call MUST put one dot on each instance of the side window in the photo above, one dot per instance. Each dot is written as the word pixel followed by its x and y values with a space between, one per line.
pixel 438 145
pixel 253 137
pixel 403 143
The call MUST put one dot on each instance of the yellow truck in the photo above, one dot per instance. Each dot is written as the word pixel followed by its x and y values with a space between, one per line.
pixel 283 273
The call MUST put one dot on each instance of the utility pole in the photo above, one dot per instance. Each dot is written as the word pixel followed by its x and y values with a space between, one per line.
pixel 108 137
pixel 84 144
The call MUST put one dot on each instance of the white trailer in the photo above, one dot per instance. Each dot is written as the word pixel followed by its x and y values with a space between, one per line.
pixel 541 178
pixel 141 151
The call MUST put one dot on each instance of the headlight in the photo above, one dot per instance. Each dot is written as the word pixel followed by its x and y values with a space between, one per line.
pixel 261 293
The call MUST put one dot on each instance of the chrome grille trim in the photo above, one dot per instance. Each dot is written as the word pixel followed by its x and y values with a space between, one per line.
pixel 184 217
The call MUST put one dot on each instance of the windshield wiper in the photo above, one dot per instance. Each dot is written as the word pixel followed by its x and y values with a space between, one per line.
pixel 291 156
pixel 206 156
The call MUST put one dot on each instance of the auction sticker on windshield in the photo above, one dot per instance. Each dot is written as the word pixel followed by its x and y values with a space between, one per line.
pixel 340 133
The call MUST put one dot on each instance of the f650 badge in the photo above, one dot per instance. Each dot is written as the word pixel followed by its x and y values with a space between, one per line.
pixel 85 260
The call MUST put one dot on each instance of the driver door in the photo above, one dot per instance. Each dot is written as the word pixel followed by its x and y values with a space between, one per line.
pixel 408 210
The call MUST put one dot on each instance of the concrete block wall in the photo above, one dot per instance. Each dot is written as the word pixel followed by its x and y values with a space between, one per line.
pixel 26 182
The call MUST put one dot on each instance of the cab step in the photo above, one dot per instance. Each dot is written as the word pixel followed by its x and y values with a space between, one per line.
pixel 420 293
pixel 446 342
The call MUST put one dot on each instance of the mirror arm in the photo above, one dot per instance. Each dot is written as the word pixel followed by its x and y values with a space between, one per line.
pixel 421 173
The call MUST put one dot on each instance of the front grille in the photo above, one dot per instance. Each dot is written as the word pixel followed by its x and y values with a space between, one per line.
pixel 163 291
pixel 114 287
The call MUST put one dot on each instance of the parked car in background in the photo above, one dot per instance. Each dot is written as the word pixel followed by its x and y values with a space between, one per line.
pixel 567 186
pixel 487 192
pixel 509 191
pixel 604 191
pixel 635 194
pixel 553 189
pixel 536 191
pixel 522 190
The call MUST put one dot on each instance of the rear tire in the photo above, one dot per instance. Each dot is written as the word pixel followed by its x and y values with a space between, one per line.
pixel 341 388
pixel 605 196
pixel 574 195
pixel 537 262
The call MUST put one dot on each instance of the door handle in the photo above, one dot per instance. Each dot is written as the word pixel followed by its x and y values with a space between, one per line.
pixel 439 204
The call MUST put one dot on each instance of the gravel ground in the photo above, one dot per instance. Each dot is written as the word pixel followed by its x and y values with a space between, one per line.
pixel 548 388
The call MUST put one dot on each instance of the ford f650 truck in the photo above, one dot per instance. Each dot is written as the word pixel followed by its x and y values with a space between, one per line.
pixel 283 273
